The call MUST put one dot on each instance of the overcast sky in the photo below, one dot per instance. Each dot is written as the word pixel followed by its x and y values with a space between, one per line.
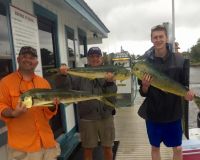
pixel 130 21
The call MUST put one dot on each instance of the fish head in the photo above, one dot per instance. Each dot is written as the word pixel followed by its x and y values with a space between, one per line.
pixel 27 101
pixel 27 98
pixel 139 69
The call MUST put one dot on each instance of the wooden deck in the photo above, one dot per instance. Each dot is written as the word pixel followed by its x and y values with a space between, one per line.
pixel 131 132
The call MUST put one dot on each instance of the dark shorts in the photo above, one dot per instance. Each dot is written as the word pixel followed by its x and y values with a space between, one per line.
pixel 168 133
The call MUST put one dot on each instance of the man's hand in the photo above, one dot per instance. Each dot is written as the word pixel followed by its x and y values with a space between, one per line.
pixel 189 95
pixel 146 82
pixel 56 102
pixel 109 77
pixel 20 109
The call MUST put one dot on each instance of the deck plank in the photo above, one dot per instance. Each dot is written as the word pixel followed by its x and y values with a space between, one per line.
pixel 131 132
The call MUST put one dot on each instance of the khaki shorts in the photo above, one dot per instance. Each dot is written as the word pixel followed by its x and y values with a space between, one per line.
pixel 93 131
pixel 43 154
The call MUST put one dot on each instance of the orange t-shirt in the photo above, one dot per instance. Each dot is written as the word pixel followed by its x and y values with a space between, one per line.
pixel 31 130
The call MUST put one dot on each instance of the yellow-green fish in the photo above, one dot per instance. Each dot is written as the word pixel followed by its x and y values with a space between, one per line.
pixel 44 97
pixel 160 80
pixel 120 73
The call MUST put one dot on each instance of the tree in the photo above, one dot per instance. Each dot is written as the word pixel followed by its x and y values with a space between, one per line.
pixel 195 52
pixel 186 54
pixel 47 57
pixel 107 58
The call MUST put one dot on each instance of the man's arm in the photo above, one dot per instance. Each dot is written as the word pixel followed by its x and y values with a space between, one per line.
pixel 12 113
pixel 6 110
pixel 7 113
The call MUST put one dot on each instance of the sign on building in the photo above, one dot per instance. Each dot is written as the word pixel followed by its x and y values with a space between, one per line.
pixel 25 32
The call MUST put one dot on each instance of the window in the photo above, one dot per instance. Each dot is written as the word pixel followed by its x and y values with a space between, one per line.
pixel 70 47
pixel 82 43
pixel 57 122
pixel 5 56
pixel 4 41
pixel 5 50
pixel 47 25
pixel 48 56
pixel 47 43
pixel 5 67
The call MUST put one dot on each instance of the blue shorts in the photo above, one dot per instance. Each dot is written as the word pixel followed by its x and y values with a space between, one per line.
pixel 168 133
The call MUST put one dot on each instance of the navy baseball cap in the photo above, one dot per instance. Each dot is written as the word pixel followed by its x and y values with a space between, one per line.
pixel 94 50
pixel 28 50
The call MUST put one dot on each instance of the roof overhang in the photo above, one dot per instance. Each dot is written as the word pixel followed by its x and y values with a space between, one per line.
pixel 90 17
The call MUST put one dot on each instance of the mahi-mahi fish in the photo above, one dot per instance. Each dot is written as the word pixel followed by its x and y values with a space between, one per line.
pixel 160 80
pixel 44 97
pixel 120 73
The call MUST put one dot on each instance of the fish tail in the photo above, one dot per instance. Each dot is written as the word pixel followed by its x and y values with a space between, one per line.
pixel 52 70
pixel 105 101
pixel 197 101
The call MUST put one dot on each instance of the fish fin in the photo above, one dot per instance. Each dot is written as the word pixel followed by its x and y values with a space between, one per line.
pixel 105 101
pixel 116 95
pixel 197 101
pixel 91 78
pixel 76 91
pixel 45 105
pixel 69 103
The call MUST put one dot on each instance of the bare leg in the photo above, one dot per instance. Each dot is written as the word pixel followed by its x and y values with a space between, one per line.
pixel 177 153
pixel 88 153
pixel 108 154
pixel 155 153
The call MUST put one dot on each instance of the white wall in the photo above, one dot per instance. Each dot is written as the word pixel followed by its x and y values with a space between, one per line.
pixel 3 153
pixel 65 17
pixel 70 118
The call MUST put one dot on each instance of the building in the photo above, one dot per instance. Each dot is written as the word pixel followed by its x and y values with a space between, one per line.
pixel 60 30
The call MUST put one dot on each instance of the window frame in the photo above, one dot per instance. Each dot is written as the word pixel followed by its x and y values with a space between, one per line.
pixel 82 37
pixel 69 32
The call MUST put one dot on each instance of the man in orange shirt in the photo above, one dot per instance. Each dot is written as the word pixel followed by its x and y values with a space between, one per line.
pixel 29 134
